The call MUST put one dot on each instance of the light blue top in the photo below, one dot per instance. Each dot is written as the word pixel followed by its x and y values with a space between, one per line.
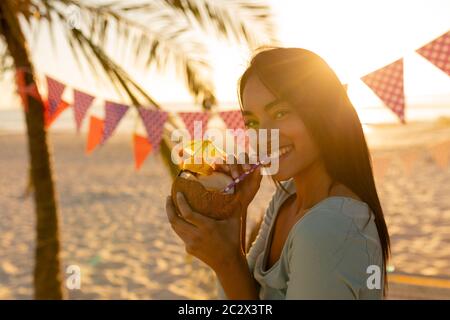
pixel 326 255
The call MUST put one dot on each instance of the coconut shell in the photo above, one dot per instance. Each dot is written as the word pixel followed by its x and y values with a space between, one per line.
pixel 213 204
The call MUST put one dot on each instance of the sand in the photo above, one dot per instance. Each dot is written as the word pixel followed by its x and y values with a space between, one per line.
pixel 113 223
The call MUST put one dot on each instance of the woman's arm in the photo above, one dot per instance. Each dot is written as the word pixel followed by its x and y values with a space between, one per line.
pixel 236 279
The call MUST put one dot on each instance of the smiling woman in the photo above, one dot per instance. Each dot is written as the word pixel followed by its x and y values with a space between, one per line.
pixel 325 161
pixel 324 227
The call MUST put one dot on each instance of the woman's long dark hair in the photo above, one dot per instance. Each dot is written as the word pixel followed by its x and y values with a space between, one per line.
pixel 304 80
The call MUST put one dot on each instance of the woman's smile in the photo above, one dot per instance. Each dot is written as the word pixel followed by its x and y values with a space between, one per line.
pixel 282 153
pixel 285 150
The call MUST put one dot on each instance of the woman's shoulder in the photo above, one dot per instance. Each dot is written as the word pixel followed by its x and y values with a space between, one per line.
pixel 331 222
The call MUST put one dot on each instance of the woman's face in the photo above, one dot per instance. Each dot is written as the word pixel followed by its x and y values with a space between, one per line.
pixel 263 110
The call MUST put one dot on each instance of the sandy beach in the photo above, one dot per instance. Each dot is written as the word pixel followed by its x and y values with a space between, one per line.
pixel 113 223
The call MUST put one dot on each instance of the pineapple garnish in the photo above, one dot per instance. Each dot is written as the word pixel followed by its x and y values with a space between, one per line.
pixel 203 155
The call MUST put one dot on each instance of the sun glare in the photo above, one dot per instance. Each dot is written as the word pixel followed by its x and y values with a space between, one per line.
pixel 356 38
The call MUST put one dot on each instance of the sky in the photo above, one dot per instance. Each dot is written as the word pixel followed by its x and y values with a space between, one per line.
pixel 354 36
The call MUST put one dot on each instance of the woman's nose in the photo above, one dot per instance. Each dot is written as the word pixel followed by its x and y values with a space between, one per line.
pixel 269 136
pixel 269 130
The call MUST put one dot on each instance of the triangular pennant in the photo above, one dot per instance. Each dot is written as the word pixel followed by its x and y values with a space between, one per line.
pixel 154 124
pixel 438 52
pixel 33 91
pixel 81 103
pixel 233 119
pixel 114 112
pixel 55 90
pixel 50 118
pixel 387 84
pixel 142 148
pixel 95 133
pixel 26 90
pixel 20 82
pixel 441 154
pixel 190 118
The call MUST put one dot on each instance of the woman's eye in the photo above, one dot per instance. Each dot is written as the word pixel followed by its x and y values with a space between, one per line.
pixel 280 114
pixel 251 124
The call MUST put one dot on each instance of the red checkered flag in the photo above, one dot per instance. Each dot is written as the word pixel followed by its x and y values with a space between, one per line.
pixel 438 52
pixel 154 124
pixel 233 119
pixel 55 90
pixel 190 117
pixel 387 84
pixel 114 112
pixel 81 103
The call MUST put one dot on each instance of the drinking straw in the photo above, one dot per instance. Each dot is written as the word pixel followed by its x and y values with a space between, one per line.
pixel 244 175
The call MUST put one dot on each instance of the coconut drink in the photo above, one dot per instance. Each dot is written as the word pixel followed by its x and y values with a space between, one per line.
pixel 203 186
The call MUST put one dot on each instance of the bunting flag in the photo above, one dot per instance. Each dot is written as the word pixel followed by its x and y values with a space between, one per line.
pixel 55 90
pixel 190 117
pixel 387 84
pixel 233 119
pixel 142 148
pixel 114 112
pixel 438 52
pixel 95 133
pixel 81 103
pixel 50 118
pixel 26 90
pixel 441 154
pixel 154 124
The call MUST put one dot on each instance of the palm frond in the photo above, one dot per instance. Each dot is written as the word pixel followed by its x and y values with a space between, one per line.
pixel 163 32
pixel 246 21
pixel 159 36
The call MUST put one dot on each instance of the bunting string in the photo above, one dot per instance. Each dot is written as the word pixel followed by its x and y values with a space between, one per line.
pixel 387 83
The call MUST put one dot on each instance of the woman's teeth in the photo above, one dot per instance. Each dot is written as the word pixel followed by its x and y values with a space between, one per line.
pixel 285 150
pixel 282 151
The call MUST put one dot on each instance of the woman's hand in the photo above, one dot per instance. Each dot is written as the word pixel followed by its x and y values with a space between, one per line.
pixel 220 243
pixel 215 242
pixel 247 189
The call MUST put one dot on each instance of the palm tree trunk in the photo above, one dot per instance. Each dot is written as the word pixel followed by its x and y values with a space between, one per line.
pixel 47 271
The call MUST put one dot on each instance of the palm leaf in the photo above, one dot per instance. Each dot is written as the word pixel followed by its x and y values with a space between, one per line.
pixel 158 36
pixel 246 21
